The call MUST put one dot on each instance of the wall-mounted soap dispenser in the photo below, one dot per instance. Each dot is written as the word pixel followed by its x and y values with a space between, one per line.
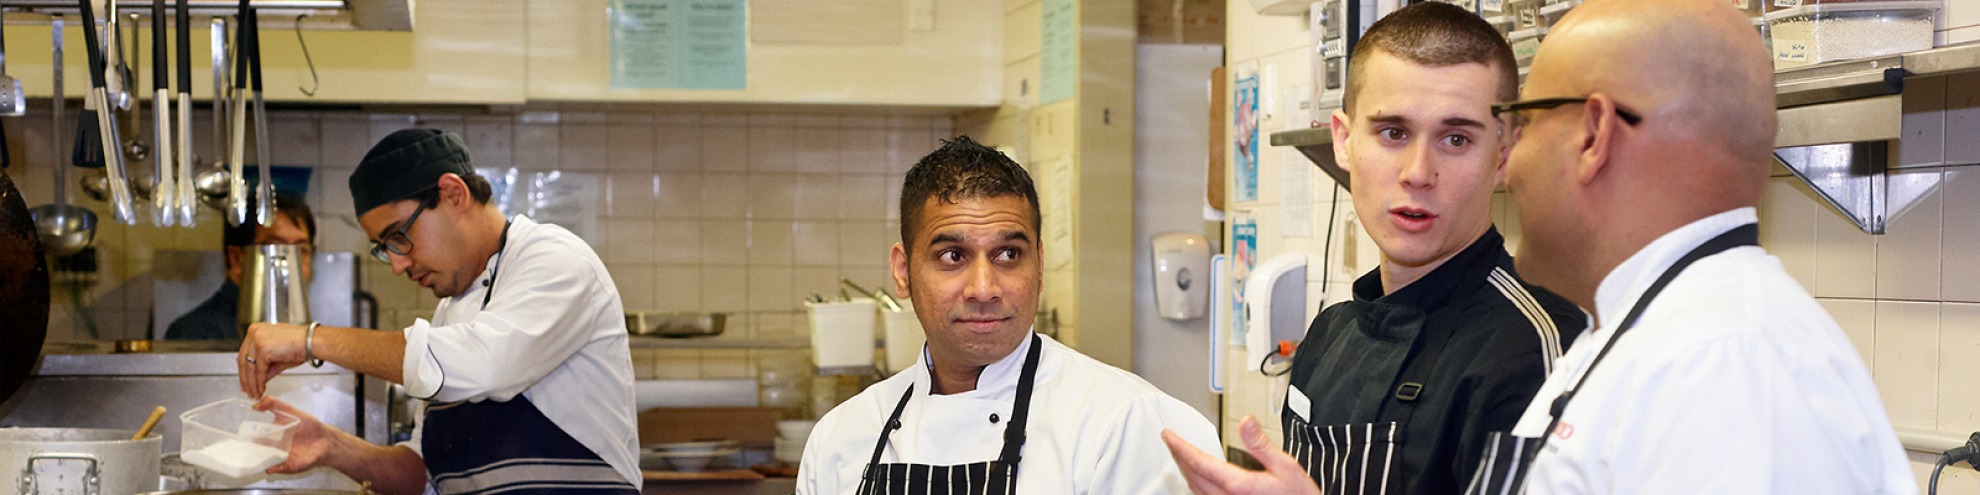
pixel 1182 269
pixel 1275 304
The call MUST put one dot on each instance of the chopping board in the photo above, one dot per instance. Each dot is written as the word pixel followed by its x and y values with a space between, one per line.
pixel 23 290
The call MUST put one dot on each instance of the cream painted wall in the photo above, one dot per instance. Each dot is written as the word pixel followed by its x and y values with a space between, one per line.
pixel 954 65
pixel 1093 131
pixel 1907 298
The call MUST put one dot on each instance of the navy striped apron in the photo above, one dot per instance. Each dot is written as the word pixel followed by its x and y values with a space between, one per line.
pixel 1509 458
pixel 509 447
pixel 982 478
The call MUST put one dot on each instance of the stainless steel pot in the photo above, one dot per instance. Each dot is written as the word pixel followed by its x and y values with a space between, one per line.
pixel 78 460
pixel 274 287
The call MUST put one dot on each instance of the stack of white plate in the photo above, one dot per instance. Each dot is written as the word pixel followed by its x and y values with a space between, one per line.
pixel 790 439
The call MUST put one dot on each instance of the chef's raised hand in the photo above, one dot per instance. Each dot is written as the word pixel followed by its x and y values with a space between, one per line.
pixel 1210 475
pixel 269 349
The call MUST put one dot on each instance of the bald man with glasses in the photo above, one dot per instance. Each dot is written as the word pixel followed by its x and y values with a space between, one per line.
pixel 524 372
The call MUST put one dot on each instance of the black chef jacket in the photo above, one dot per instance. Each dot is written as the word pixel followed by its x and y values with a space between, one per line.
pixel 1403 388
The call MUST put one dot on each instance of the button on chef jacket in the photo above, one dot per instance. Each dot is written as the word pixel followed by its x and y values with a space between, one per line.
pixel 554 332
pixel 1093 428
pixel 1430 370
pixel 1734 380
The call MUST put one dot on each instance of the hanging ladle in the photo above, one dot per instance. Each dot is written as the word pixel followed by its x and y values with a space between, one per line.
pixel 65 228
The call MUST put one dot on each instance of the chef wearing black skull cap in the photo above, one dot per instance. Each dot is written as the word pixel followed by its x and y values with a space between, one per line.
pixel 524 370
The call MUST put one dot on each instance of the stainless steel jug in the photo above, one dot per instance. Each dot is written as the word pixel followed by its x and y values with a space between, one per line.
pixel 274 285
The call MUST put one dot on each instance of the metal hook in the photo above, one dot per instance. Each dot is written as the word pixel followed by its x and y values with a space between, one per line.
pixel 314 83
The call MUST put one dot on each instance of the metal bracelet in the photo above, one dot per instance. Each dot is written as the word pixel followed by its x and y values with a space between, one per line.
pixel 309 346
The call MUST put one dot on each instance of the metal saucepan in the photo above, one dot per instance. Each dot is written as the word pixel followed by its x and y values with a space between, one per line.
pixel 62 460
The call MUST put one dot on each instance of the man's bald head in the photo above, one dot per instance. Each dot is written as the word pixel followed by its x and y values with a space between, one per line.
pixel 1698 63
pixel 1593 187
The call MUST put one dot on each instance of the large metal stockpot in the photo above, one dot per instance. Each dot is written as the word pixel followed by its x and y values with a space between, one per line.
pixel 77 461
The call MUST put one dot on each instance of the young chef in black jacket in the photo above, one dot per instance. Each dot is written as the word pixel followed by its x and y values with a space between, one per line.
pixel 1396 390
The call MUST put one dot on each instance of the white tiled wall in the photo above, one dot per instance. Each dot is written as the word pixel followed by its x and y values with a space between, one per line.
pixel 735 212
pixel 1909 300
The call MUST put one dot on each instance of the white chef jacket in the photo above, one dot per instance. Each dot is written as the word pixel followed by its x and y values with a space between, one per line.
pixel 554 332
pixel 1733 381
pixel 1093 428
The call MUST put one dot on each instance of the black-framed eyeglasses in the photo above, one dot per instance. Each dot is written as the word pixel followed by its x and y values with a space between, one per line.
pixel 1515 107
pixel 396 242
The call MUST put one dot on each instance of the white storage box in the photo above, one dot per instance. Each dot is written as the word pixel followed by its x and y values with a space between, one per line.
pixel 1824 32
pixel 229 437
pixel 904 337
pixel 842 333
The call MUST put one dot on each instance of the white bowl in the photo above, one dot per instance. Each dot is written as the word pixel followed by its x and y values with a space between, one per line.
pixel 795 429
pixel 684 461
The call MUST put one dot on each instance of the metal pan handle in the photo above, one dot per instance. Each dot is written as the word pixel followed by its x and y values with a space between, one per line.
pixel 92 478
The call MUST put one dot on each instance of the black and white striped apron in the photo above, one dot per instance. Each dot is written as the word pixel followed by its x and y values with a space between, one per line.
pixel 1509 458
pixel 982 478
pixel 509 447
pixel 1351 458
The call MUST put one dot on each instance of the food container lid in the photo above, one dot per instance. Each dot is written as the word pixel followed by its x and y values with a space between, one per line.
pixel 1527 33
pixel 1821 8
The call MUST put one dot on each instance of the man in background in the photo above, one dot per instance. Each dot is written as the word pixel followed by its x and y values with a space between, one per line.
pixel 217 318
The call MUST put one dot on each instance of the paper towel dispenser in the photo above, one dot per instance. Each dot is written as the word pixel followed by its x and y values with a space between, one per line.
pixel 1275 301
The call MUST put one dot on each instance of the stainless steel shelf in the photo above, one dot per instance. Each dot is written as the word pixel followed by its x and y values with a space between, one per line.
pixel 1317 144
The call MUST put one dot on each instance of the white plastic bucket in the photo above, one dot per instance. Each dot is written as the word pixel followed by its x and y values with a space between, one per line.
pixel 842 333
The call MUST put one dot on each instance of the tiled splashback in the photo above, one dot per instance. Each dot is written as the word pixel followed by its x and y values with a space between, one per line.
pixel 743 213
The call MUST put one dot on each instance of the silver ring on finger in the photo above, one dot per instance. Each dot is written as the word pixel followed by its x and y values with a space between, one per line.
pixel 250 359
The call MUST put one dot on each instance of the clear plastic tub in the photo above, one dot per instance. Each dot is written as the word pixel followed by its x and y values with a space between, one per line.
pixel 1824 32
pixel 1526 44
pixel 1502 23
pixel 1526 14
pixel 229 437
pixel 1555 9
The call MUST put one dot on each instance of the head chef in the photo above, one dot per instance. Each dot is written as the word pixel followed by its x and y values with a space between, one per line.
pixel 524 369
pixel 992 406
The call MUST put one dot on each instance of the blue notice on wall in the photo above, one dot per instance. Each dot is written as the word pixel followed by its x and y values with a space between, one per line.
pixel 1244 257
pixel 679 44
pixel 1244 132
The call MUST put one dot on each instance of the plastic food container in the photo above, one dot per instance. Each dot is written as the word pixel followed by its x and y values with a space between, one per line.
pixel 1526 44
pixel 1502 23
pixel 842 333
pixel 229 437
pixel 1551 12
pixel 1526 14
pixel 1824 32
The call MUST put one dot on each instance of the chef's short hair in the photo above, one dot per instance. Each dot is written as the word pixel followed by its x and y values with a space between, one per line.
pixel 286 203
pixel 1438 35
pixel 962 169
pixel 478 188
